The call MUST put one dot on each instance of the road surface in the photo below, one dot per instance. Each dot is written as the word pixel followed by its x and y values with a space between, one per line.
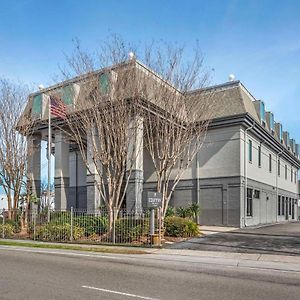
pixel 27 273
pixel 279 239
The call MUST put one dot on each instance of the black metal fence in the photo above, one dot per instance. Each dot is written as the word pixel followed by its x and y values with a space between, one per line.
pixel 82 226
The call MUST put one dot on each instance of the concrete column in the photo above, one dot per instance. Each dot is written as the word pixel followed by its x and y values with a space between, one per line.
pixel 61 179
pixel 34 164
pixel 92 178
pixel 135 164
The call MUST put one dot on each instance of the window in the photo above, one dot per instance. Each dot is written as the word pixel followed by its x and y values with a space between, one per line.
pixel 282 206
pixel 291 174
pixel 285 171
pixel 68 93
pixel 249 202
pixel 37 105
pixel 259 156
pixel 250 151
pixel 295 176
pixel 278 166
pixel 104 83
pixel 256 194
pixel 279 205
pixel 270 163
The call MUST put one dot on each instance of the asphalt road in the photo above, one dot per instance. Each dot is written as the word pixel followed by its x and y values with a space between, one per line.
pixel 279 239
pixel 57 274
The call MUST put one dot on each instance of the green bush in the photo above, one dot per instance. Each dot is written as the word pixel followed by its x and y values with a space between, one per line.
pixel 170 211
pixel 180 227
pixel 8 230
pixel 129 230
pixel 60 232
pixel 60 217
pixel 16 224
pixel 92 224
pixel 191 211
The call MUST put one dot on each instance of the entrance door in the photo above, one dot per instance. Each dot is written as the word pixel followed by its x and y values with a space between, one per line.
pixel 293 210
pixel 286 208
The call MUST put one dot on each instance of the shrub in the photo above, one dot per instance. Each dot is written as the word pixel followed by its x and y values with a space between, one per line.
pixel 92 224
pixel 129 230
pixel 8 230
pixel 60 217
pixel 60 232
pixel 16 224
pixel 188 212
pixel 180 227
pixel 170 211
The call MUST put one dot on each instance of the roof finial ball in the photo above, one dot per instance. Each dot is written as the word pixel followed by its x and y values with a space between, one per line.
pixel 231 77
pixel 41 87
pixel 131 55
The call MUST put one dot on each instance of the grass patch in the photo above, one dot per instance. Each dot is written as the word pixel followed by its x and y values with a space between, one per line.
pixel 100 249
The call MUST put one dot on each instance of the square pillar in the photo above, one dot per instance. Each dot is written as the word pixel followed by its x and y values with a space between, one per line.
pixel 135 164
pixel 34 164
pixel 61 178
pixel 93 179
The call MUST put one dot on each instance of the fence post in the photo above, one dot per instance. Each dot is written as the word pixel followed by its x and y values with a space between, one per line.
pixel 72 212
pixel 3 223
pixel 159 224
pixel 34 223
pixel 114 224
pixel 48 214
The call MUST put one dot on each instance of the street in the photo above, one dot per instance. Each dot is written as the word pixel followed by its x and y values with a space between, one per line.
pixel 28 273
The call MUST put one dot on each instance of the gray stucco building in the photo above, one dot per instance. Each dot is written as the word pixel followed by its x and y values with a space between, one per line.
pixel 245 174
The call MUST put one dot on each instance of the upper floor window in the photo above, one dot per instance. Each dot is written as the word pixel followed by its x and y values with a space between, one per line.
pixel 250 151
pixel 270 163
pixel 285 171
pixel 278 166
pixel 259 156
pixel 291 174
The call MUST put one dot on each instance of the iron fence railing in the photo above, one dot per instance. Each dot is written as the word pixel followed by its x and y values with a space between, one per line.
pixel 81 226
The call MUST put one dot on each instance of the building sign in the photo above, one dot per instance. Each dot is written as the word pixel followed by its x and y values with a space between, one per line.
pixel 154 199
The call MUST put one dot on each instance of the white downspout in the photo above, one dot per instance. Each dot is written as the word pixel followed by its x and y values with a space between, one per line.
pixel 245 169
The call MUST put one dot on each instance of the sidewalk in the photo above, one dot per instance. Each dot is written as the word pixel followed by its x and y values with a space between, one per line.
pixel 240 260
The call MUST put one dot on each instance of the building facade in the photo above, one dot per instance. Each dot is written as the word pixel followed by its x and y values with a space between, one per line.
pixel 245 174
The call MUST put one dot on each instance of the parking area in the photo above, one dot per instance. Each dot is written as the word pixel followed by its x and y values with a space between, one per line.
pixel 273 239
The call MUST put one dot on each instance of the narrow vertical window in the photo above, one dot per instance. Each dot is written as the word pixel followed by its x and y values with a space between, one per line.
pixel 249 202
pixel 270 163
pixel 291 174
pixel 278 166
pixel 282 206
pixel 259 156
pixel 279 205
pixel 290 206
pixel 250 151
pixel 285 171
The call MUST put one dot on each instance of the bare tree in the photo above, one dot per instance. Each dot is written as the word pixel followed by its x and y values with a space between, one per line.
pixel 107 115
pixel 13 146
pixel 103 120
pixel 176 114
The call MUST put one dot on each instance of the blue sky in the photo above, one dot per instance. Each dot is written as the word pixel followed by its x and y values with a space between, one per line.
pixel 258 41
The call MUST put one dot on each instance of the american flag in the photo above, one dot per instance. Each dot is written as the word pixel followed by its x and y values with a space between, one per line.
pixel 57 107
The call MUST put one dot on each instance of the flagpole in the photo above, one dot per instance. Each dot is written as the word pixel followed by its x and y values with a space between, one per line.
pixel 49 157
